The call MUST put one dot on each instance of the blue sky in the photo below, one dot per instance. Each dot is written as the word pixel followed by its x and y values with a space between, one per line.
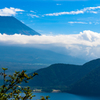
pixel 36 15
pixel 70 27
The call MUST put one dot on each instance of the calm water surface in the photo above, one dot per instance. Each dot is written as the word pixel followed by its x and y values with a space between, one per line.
pixel 63 96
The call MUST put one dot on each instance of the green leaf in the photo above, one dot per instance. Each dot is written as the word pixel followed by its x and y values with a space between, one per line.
pixel 4 68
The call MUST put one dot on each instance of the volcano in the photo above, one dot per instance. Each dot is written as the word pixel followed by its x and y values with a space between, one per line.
pixel 10 25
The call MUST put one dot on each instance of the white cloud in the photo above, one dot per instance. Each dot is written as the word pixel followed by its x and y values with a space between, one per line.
pixel 33 15
pixel 87 38
pixel 95 12
pixel 64 13
pixel 96 23
pixel 58 4
pixel 32 11
pixel 90 8
pixel 82 11
pixel 90 22
pixel 85 44
pixel 9 11
pixel 77 22
pixel 22 22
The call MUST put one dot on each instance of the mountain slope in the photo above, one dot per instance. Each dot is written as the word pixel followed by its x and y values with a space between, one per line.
pixel 84 70
pixel 54 75
pixel 11 25
pixel 88 85
pixel 62 76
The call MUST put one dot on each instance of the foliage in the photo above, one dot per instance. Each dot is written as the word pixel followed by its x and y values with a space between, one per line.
pixel 11 89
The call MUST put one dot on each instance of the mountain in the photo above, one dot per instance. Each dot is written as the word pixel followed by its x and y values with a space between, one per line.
pixel 84 70
pixel 54 76
pixel 32 55
pixel 69 78
pixel 10 25
pixel 88 85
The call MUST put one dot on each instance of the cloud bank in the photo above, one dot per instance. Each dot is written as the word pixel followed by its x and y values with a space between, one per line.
pixel 9 11
pixel 86 44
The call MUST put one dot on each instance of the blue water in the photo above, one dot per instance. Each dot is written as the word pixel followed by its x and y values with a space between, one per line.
pixel 63 96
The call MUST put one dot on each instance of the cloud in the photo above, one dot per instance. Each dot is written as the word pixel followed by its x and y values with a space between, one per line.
pixel 82 11
pixel 95 12
pixel 90 22
pixel 9 11
pixel 32 15
pixel 32 11
pixel 91 8
pixel 58 4
pixel 65 13
pixel 87 38
pixel 77 22
pixel 22 22
pixel 86 44
pixel 96 23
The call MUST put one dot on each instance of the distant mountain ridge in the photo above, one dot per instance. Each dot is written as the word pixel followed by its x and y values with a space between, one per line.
pixel 10 25
pixel 32 55
pixel 78 79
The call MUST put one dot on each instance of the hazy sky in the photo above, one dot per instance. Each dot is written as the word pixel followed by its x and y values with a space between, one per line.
pixel 73 26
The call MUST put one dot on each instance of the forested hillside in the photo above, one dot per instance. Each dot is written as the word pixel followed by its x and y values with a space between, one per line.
pixel 78 79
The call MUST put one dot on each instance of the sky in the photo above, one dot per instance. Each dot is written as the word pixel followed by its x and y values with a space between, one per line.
pixel 56 16
pixel 73 26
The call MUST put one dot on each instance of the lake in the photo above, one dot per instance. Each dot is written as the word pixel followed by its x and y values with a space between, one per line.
pixel 64 96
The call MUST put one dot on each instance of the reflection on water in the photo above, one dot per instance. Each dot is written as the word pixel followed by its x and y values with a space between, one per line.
pixel 63 96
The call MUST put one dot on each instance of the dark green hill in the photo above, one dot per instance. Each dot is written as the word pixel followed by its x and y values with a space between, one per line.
pixel 54 76
pixel 62 76
pixel 11 25
pixel 88 85
pixel 84 70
